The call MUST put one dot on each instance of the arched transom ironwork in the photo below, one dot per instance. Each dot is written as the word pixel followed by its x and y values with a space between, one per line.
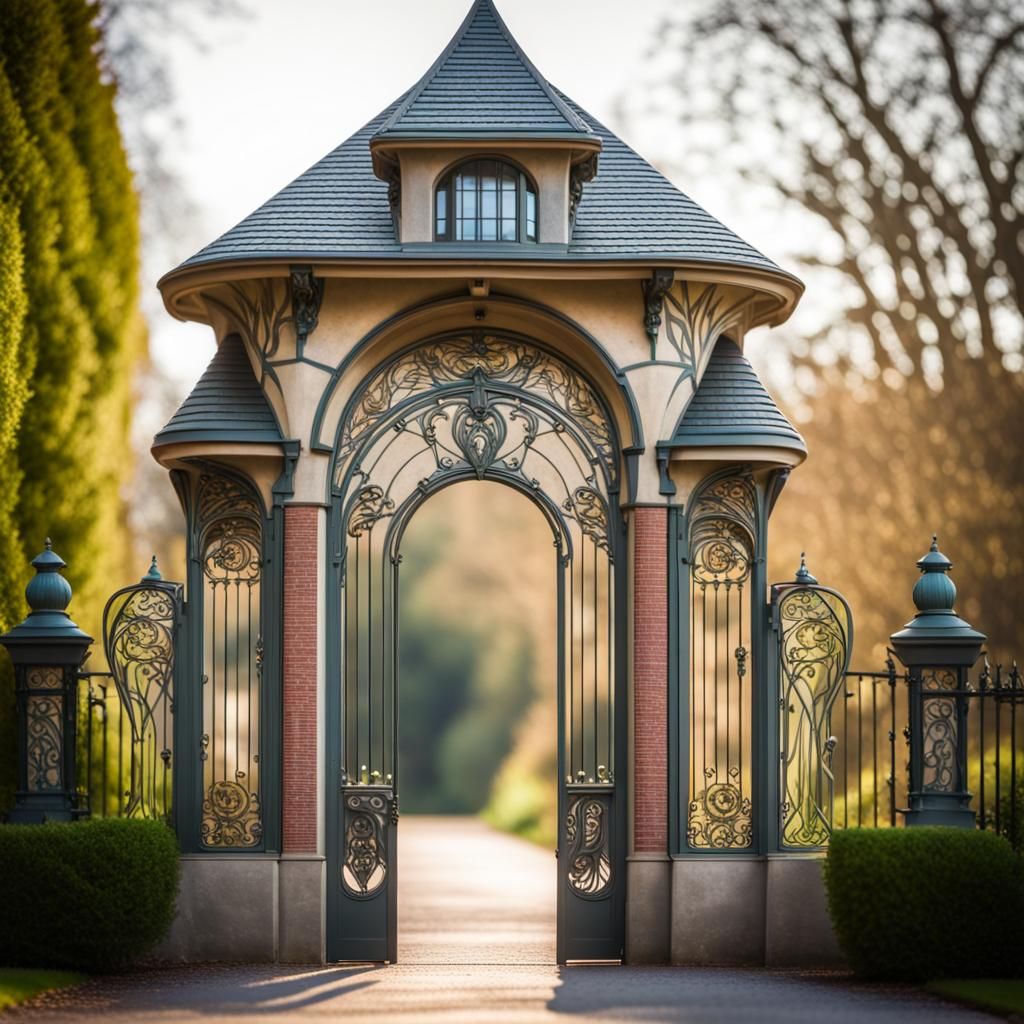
pixel 475 406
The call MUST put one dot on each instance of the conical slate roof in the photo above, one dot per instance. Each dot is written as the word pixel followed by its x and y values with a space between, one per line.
pixel 732 408
pixel 509 97
pixel 227 404
pixel 338 209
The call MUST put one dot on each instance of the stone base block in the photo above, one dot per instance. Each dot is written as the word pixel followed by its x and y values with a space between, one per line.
pixel 300 910
pixel 718 911
pixel 798 930
pixel 648 910
pixel 227 910
pixel 251 909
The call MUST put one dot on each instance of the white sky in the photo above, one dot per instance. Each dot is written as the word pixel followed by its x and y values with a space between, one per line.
pixel 274 93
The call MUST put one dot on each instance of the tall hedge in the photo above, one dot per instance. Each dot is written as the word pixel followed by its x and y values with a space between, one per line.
pixel 71 332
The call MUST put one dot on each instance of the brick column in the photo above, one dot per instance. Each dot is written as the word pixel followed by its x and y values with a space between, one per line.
pixel 650 680
pixel 301 582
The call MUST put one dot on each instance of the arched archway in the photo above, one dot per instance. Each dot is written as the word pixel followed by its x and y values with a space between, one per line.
pixel 493 406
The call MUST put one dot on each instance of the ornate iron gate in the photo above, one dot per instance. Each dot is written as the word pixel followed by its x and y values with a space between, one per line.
pixel 813 633
pixel 488 407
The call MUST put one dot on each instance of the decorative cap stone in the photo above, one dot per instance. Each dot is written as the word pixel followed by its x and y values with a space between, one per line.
pixel 803 574
pixel 48 594
pixel 48 591
pixel 154 572
pixel 936 634
pixel 934 591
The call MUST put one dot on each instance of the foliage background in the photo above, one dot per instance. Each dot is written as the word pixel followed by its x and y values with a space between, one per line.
pixel 71 333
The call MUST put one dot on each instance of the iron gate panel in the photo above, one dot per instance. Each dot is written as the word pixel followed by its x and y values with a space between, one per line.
pixel 485 407
pixel 140 627
pixel 813 634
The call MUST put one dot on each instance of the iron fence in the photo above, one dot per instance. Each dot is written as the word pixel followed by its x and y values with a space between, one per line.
pixel 871 760
pixel 104 751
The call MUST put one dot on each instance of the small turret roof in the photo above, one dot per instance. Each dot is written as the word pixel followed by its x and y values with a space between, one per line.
pixel 732 408
pixel 227 404
pixel 483 86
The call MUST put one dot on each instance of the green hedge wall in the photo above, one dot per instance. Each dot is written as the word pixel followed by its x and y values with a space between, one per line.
pixel 71 332
pixel 91 895
pixel 917 904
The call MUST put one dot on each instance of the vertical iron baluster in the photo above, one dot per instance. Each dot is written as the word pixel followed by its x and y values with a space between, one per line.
pixel 874 750
pixel 891 677
pixel 847 697
pixel 999 749
pixel 1016 696
pixel 860 748
pixel 982 696
pixel 369 658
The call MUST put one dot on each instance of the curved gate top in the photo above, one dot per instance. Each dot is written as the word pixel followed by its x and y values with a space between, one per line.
pixel 487 406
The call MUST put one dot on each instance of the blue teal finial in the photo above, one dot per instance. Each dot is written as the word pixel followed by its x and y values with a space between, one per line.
pixel 154 571
pixel 803 574
pixel 934 591
pixel 48 591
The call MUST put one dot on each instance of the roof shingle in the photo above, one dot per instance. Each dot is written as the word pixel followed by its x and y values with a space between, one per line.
pixel 227 404
pixel 732 408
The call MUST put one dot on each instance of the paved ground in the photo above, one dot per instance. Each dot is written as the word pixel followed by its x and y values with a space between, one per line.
pixel 477 944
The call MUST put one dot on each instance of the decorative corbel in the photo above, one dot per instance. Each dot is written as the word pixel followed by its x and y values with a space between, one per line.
pixel 654 299
pixel 579 175
pixel 307 294
pixel 665 483
pixel 395 199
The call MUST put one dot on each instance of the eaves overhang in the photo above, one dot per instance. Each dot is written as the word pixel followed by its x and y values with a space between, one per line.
pixel 779 291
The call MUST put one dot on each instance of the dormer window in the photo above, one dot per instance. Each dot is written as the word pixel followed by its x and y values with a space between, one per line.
pixel 485 201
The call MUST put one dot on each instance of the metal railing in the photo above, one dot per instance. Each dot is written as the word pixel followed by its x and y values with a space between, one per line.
pixel 871 759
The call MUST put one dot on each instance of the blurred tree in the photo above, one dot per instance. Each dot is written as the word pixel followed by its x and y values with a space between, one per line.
pixel 893 136
pixel 72 333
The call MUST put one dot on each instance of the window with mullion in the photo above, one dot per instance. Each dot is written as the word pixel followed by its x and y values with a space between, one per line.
pixel 486 201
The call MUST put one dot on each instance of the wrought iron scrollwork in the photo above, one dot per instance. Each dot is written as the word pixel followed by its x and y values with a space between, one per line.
pixel 230 545
pixel 364 867
pixel 140 624
pixel 719 817
pixel 814 652
pixel 939 739
pixel 588 841
pixel 502 360
pixel 722 547
pixel 231 815
pixel 44 741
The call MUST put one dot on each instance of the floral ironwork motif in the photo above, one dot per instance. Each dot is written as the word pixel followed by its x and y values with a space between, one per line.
pixel 364 867
pixel 814 653
pixel 939 721
pixel 231 814
pixel 723 528
pixel 720 816
pixel 307 294
pixel 139 628
pixel 229 523
pixel 588 841
pixel 502 360
pixel 44 740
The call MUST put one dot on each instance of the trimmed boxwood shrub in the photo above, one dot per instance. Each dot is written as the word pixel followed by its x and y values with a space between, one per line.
pixel 91 895
pixel 919 903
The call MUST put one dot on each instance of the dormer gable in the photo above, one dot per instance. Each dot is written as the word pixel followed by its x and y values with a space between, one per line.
pixel 483 100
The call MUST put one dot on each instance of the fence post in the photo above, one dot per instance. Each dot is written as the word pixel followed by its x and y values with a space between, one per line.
pixel 47 650
pixel 938 648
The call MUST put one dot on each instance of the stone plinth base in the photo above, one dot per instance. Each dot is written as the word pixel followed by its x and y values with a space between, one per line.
pixel 254 909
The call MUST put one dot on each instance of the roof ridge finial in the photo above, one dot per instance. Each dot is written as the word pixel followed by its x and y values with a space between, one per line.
pixel 803 574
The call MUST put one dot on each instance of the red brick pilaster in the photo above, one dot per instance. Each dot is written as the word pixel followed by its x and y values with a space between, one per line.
pixel 650 680
pixel 299 782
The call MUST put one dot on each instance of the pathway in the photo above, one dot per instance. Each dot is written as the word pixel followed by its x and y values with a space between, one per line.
pixel 477 945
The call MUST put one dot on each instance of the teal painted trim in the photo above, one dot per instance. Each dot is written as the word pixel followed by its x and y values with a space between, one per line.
pixel 188 699
pixel 303 360
pixel 241 435
pixel 679 671
pixel 637 446
pixel 763 753
pixel 678 678
pixel 491 134
pixel 741 438
pixel 674 363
